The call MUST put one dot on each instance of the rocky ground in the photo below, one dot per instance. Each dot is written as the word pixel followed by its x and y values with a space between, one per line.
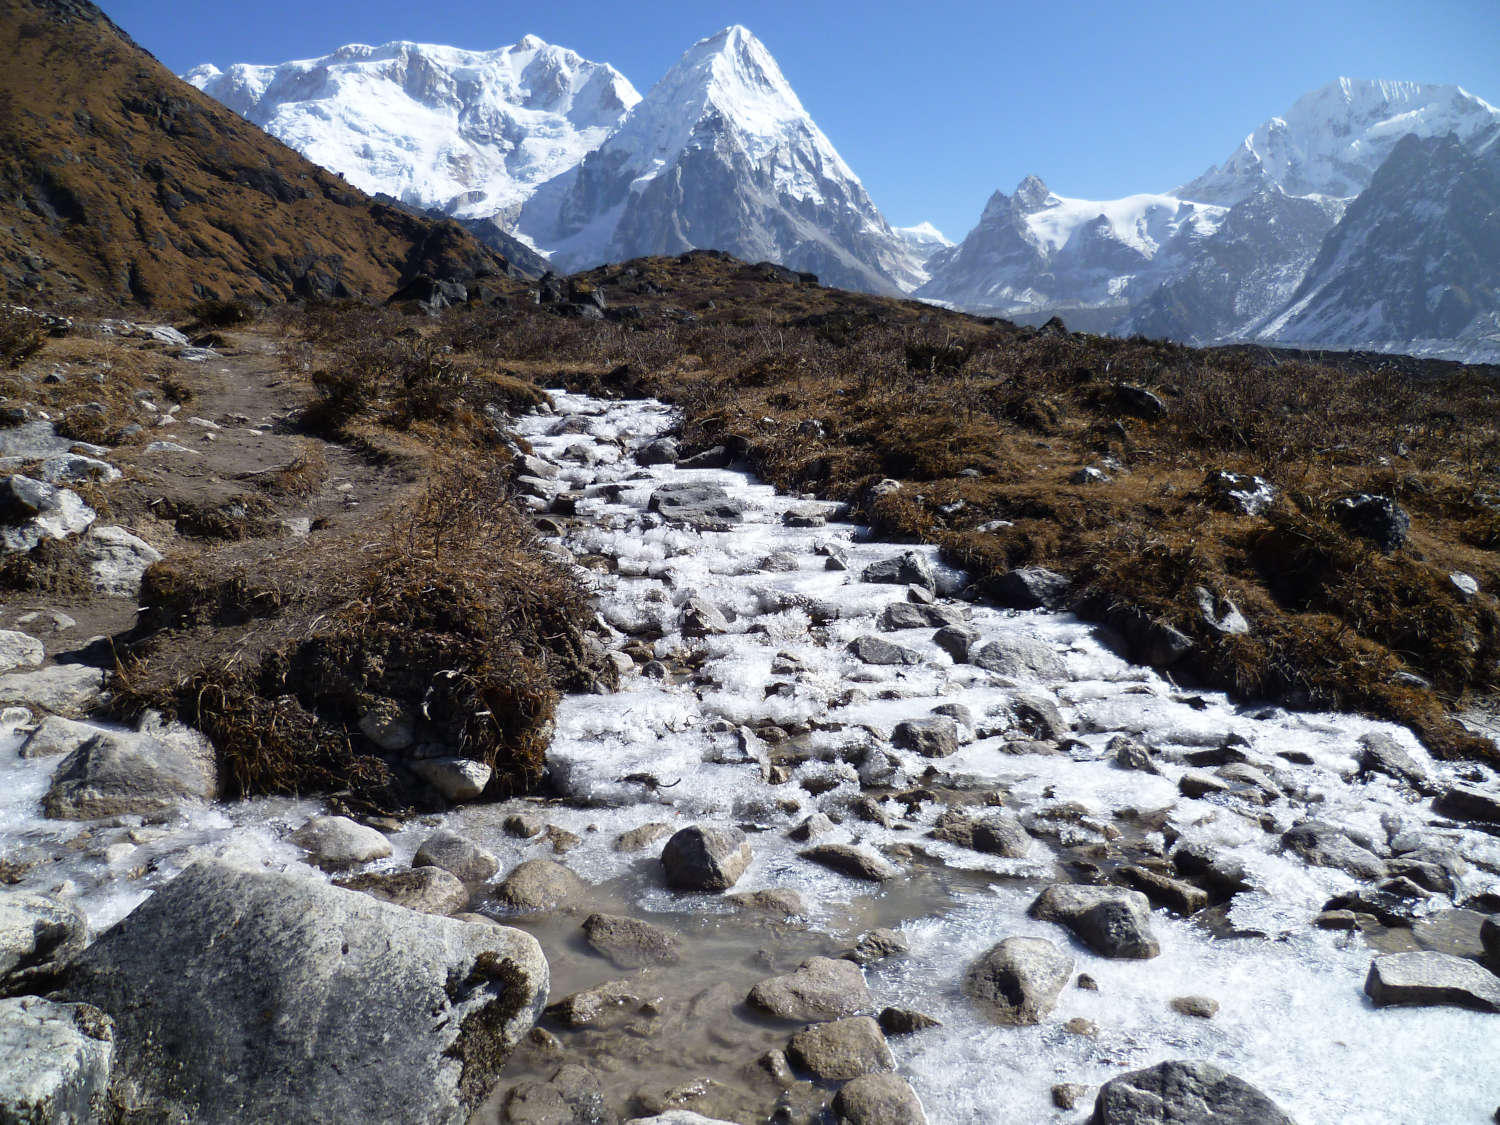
pixel 846 842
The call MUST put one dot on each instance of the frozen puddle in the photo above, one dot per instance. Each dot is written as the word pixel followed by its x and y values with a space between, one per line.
pixel 764 717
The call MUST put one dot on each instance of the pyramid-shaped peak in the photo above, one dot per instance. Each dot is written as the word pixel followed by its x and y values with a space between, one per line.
pixel 1032 193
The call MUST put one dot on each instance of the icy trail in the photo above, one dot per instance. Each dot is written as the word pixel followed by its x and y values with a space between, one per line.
pixel 773 719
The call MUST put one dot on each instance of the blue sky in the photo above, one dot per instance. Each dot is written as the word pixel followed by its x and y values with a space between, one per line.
pixel 935 105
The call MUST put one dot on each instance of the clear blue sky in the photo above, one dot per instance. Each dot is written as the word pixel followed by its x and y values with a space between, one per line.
pixel 937 104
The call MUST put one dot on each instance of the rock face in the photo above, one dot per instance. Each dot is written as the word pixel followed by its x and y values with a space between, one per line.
pixel 39 935
pixel 1019 980
pixel 1110 921
pixel 117 773
pixel 842 1049
pixel 1432 978
pixel 224 983
pixel 821 989
pixel 55 1062
pixel 705 859
pixel 1184 1093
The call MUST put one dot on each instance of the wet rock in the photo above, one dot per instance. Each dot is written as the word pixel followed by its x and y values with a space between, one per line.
pixel 39 936
pixel 457 855
pixel 873 650
pixel 1174 894
pixel 429 890
pixel 335 842
pixel 1110 921
pixel 995 833
pixel 956 641
pixel 631 943
pixel 1197 783
pixel 523 826
pixel 842 1049
pixel 849 860
pixel 1130 754
pixel 1038 717
pixel 702 618
pixel 55 735
pixel 63 689
pixel 117 559
pixel 224 982
pixel 700 858
pixel 573 1096
pixel 1070 1095
pixel 1199 1007
pixel 1020 658
pixel 810 829
pixel 1222 875
pixel 878 1099
pixel 706 507
pixel 1087 1029
pixel 662 451
pixel 1428 978
pixel 908 615
pixel 55 1062
pixel 1380 753
pixel 1019 980
pixel 122 772
pixel 820 989
pixel 1032 587
pixel 910 568
pixel 1184 1093
pixel 877 945
pixel 777 902
pixel 457 779
pixel 936 737
pixel 592 1005
pixel 1250 784
pixel 1376 518
pixel 1462 802
pixel 540 885
pixel 1327 845
pixel 19 650
pixel 905 1021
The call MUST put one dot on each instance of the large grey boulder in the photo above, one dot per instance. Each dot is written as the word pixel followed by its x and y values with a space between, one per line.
pixel 706 507
pixel 117 559
pixel 874 650
pixel 1019 980
pixel 878 1099
pixel 699 858
pixel 147 773
pixel 1183 1093
pixel 55 1062
pixel 934 737
pixel 821 989
pixel 458 855
pixel 336 842
pixel 261 996
pixel 39 936
pixel 909 568
pixel 1111 921
pixel 1020 658
pixel 1328 845
pixel 63 689
pixel 842 1049
pixel 1032 587
pixel 540 885
pixel 1429 978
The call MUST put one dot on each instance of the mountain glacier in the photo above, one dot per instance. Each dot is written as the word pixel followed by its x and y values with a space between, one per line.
pixel 467 133
pixel 721 153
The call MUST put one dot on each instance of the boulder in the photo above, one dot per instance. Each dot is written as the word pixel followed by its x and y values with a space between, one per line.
pixel 33 510
pixel 63 689
pixel 956 641
pixel 1376 518
pixel 1019 980
pixel 631 943
pixel 662 451
pixel 714 457
pixel 242 995
pixel 1239 492
pixel 55 1063
pixel 842 1049
pixel 457 779
pixel 905 1021
pixel 1038 717
pixel 1219 613
pixel 457 855
pixel 880 944
pixel 698 858
pixel 706 507
pixel 873 650
pixel 995 833
pixel 336 842
pixel 1031 587
pixel 878 1099
pixel 1174 894
pixel 39 936
pixel 936 737
pixel 429 890
pixel 820 989
pixel 1327 845
pixel 910 568
pixel 55 735
pixel 116 559
pixel 540 885
pixel 592 1005
pixel 1380 753
pixel 641 838
pixel 573 1096
pixel 849 860
pixel 1462 802
pixel 700 618
pixel 1183 1093
pixel 1429 978
pixel 1139 402
pixel 1111 921
pixel 122 772
pixel 1021 658
pixel 18 650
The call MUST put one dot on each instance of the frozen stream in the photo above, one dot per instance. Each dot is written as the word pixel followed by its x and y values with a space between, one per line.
pixel 773 720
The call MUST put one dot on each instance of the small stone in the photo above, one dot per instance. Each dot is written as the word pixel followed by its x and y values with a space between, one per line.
pixel 878 945
pixel 639 839
pixel 878 1099
pixel 588 1007
pixel 810 829
pixel 820 989
pixel 1174 894
pixel 540 885
pixel 701 618
pixel 1019 980
pixel 907 569
pixel 935 737
pixel 905 1021
pixel 1200 1007
pixel 699 858
pixel 1088 1029
pixel 777 902
pixel 874 650
pixel 1087 983
pixel 19 650
pixel 1110 921
pixel 1070 1095
pixel 457 855
pixel 842 1049
pixel 631 943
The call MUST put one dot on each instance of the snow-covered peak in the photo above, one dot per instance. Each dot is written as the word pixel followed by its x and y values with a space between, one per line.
pixel 470 132
pixel 1032 194
pixel 1331 140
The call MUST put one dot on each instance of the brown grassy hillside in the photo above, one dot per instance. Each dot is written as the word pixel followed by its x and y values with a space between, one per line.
pixel 119 181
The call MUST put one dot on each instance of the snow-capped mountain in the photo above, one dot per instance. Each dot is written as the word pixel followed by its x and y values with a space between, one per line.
pixel 721 154
pixel 468 133
pixel 1037 252
pixel 1331 141
pixel 1414 264
pixel 922 241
